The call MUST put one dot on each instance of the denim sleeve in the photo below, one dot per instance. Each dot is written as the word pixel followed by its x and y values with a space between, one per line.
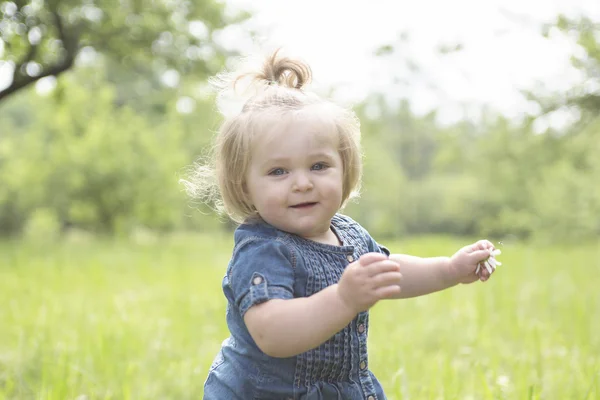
pixel 261 270
pixel 381 248
pixel 376 247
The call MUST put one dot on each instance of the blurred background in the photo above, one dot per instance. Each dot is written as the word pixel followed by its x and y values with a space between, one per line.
pixel 478 119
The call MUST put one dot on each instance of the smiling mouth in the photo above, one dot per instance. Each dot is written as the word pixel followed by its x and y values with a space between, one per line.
pixel 304 205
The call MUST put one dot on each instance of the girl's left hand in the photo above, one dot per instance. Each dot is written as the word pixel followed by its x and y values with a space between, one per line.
pixel 463 263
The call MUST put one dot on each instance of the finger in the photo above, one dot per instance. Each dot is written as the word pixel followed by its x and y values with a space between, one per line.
pixel 387 279
pixel 369 258
pixel 486 244
pixel 388 292
pixel 476 246
pixel 470 279
pixel 481 269
pixel 481 245
pixel 484 275
pixel 480 255
pixel 379 267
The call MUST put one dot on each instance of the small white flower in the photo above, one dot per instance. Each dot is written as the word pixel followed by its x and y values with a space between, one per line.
pixel 490 263
pixel 487 266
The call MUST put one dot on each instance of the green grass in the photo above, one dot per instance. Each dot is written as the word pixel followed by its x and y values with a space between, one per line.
pixel 120 320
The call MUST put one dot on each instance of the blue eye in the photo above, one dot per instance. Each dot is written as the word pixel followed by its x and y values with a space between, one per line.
pixel 319 166
pixel 277 171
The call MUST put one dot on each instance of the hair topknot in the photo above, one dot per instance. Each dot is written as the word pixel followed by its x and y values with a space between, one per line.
pixel 283 71
pixel 249 78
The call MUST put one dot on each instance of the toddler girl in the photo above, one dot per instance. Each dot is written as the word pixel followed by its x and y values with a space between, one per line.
pixel 302 277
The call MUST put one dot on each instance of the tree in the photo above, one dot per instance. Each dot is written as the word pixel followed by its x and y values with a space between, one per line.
pixel 87 163
pixel 586 97
pixel 43 38
pixel 583 98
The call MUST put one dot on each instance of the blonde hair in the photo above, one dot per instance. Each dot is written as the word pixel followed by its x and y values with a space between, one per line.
pixel 279 91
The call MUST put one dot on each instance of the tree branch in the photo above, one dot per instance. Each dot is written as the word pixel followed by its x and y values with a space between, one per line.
pixel 18 84
pixel 70 44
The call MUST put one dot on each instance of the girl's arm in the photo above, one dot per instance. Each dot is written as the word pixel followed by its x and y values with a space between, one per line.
pixel 422 276
pixel 285 328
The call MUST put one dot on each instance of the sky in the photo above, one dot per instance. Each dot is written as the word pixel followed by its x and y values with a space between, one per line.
pixel 503 51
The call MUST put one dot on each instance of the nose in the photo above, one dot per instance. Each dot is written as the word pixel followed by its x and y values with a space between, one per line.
pixel 302 182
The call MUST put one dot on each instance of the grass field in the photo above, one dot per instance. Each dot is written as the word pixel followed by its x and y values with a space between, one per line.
pixel 120 320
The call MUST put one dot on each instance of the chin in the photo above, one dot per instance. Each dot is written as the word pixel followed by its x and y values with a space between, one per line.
pixel 312 230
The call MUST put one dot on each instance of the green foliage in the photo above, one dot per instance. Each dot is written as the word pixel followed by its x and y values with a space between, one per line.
pixel 44 38
pixel 567 200
pixel 584 97
pixel 498 178
pixel 96 166
pixel 382 192
pixel 105 150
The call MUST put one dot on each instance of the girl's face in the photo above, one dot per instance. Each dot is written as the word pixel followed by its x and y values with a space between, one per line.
pixel 295 178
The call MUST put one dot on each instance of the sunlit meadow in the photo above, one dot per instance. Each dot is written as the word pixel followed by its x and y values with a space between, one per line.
pixel 92 319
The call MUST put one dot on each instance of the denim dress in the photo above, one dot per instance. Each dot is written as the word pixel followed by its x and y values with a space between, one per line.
pixel 268 263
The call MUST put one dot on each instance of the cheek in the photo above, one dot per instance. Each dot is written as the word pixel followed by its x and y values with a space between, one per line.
pixel 337 183
pixel 252 190
pixel 332 189
pixel 269 194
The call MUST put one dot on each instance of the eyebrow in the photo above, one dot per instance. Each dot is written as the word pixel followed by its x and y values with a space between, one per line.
pixel 321 155
pixel 283 160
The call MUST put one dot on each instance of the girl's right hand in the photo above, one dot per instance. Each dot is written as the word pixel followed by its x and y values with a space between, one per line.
pixel 369 279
